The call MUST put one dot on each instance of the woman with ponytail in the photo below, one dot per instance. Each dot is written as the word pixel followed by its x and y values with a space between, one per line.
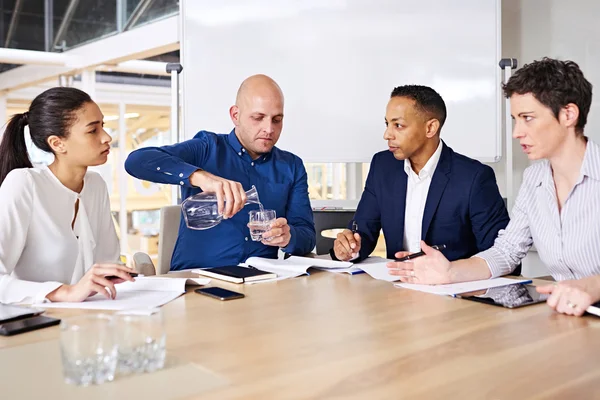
pixel 57 238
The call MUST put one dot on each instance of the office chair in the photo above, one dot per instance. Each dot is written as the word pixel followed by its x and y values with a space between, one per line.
pixel 329 219
pixel 170 217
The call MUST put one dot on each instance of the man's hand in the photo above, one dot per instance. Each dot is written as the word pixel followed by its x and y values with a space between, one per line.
pixel 431 269
pixel 231 196
pixel 279 234
pixel 347 245
pixel 572 297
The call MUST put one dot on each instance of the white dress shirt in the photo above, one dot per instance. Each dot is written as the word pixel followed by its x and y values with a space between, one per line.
pixel 567 241
pixel 39 250
pixel 416 196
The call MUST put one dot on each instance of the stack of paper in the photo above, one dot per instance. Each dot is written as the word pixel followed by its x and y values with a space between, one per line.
pixel 453 289
pixel 292 267
pixel 143 294
pixel 296 266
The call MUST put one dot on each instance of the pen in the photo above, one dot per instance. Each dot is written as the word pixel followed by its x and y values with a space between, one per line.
pixel 354 227
pixel 421 253
pixel 113 277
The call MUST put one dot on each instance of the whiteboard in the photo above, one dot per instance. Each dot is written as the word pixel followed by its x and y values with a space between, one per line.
pixel 337 62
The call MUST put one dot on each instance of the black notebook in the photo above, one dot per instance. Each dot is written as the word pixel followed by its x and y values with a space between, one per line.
pixel 236 274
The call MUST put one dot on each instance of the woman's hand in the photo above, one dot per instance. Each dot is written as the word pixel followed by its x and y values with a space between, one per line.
pixel 572 297
pixel 94 281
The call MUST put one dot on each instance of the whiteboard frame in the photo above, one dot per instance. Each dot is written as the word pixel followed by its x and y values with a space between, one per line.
pixel 500 150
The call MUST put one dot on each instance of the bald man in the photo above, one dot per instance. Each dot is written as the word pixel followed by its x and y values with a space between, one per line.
pixel 229 165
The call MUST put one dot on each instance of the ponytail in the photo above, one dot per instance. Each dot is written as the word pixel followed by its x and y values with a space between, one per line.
pixel 13 150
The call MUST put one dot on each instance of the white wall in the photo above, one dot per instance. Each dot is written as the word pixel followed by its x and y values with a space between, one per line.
pixel 532 29
pixel 3 113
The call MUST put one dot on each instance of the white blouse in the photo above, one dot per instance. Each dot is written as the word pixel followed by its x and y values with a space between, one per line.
pixel 39 249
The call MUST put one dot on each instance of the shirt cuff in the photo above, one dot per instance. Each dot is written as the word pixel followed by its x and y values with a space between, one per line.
pixel 291 246
pixel 496 262
pixel 184 174
pixel 47 288
pixel 26 292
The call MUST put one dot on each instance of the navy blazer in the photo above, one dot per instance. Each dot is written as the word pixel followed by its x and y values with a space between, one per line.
pixel 464 209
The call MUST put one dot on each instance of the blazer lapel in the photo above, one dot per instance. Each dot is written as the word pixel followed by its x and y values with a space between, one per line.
pixel 437 187
pixel 399 202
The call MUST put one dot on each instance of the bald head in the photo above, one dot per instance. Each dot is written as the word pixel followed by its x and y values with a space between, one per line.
pixel 258 86
pixel 258 114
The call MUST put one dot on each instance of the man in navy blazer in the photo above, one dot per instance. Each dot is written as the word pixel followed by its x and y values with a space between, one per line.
pixel 422 190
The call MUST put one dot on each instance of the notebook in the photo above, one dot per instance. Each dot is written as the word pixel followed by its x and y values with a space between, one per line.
pixel 236 274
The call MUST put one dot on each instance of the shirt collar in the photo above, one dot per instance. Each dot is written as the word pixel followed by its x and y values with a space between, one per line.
pixel 590 166
pixel 241 151
pixel 591 161
pixel 429 167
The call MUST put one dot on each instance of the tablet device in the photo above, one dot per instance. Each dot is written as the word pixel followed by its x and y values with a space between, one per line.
pixel 509 296
pixel 11 313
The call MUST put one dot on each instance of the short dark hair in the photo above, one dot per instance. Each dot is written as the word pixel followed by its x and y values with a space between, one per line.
pixel 427 101
pixel 52 113
pixel 555 84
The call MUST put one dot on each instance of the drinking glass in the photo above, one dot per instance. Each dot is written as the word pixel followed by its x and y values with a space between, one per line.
pixel 89 348
pixel 260 222
pixel 142 343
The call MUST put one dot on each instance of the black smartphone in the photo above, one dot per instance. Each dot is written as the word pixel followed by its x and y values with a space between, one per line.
pixel 27 324
pixel 219 293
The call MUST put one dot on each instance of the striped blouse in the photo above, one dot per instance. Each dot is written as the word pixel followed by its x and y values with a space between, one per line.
pixel 568 242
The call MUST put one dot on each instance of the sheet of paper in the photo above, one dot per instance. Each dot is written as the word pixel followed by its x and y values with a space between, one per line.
pixel 126 300
pixel 160 283
pixel 296 264
pixel 463 287
pixel 147 292
pixel 377 268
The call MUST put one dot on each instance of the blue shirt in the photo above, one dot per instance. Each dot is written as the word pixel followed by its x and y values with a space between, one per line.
pixel 279 177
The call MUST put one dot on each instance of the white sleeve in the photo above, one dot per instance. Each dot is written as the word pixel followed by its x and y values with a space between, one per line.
pixel 107 249
pixel 16 205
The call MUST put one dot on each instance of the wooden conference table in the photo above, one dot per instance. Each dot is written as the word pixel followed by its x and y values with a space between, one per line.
pixel 352 337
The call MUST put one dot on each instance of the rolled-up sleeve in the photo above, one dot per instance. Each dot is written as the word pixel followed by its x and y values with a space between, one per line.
pixel 512 243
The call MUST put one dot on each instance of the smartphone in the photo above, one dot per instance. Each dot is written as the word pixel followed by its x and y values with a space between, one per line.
pixel 219 293
pixel 27 324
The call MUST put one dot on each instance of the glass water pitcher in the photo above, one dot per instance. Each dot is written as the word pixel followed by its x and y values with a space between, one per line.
pixel 200 211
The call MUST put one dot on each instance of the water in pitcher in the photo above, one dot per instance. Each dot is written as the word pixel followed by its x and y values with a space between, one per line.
pixel 200 211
